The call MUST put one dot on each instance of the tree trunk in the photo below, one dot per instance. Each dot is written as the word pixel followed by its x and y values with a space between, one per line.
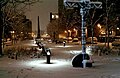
pixel 1 29
pixel 0 39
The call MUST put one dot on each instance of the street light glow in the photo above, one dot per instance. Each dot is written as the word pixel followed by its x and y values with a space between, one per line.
pixel 53 16
pixel 99 26
pixel 65 31
pixel 41 63
pixel 74 29
pixel 117 28
pixel 69 30
pixel 64 46
pixel 57 16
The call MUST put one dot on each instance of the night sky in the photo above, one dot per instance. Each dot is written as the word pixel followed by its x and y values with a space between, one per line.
pixel 42 10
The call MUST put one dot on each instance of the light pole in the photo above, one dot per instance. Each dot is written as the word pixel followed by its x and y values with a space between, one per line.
pixel 66 34
pixel 76 32
pixel 54 16
pixel 99 26
pixel 84 6
pixel 69 33
pixel 13 36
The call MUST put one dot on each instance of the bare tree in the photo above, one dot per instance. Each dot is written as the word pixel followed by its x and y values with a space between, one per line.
pixel 12 13
pixel 53 29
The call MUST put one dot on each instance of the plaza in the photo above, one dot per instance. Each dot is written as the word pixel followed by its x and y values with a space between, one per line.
pixel 105 66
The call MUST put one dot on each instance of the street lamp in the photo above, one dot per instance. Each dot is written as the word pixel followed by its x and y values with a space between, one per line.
pixel 54 16
pixel 69 33
pixel 65 31
pixel 13 35
pixel 117 31
pixel 76 31
pixel 99 26
pixel 118 28
pixel 84 6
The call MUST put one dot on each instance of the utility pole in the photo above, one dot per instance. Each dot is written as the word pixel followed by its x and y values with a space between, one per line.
pixel 84 6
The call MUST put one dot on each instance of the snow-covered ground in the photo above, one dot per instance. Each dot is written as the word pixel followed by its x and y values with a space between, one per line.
pixel 106 66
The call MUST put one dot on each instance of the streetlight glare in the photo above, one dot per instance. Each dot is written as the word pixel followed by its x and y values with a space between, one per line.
pixel 41 63
pixel 12 32
pixel 57 16
pixel 74 29
pixel 99 26
pixel 69 30
pixel 65 31
pixel 53 16
pixel 118 28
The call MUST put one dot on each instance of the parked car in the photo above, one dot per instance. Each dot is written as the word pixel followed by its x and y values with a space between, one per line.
pixel 116 42
pixel 59 41
pixel 49 41
pixel 89 40
pixel 69 39
pixel 8 43
pixel 76 41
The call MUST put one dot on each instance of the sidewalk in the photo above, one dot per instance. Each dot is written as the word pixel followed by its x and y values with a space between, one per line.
pixel 106 66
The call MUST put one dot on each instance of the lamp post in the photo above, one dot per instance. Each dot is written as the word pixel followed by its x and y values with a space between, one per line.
pixel 76 32
pixel 13 36
pixel 69 33
pixel 66 33
pixel 99 26
pixel 84 6
pixel 54 16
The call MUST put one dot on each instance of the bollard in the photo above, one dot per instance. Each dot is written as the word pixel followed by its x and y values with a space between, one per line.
pixel 99 52
pixel 48 56
pixel 16 56
pixel 64 43
pixel 84 63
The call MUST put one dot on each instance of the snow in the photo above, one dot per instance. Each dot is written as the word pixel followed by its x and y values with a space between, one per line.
pixel 105 66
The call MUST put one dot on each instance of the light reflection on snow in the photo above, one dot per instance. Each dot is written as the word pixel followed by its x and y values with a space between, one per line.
pixel 75 52
pixel 51 48
pixel 64 46
pixel 88 51
pixel 43 63
pixel 34 45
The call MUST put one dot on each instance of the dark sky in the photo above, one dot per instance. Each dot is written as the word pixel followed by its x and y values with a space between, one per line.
pixel 42 10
